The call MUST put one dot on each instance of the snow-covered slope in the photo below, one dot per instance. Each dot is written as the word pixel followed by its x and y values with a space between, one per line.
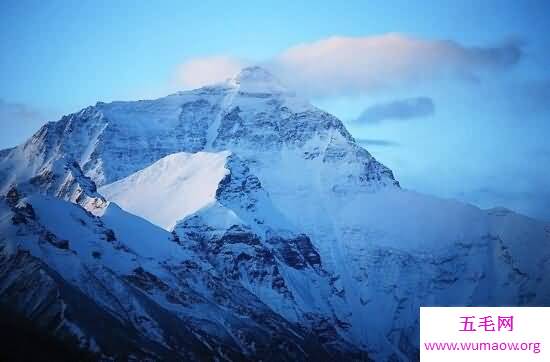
pixel 170 189
pixel 126 288
pixel 269 202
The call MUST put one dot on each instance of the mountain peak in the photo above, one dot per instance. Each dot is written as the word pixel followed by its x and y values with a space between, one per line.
pixel 254 73
pixel 255 79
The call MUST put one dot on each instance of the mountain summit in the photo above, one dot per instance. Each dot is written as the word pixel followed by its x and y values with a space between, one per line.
pixel 257 80
pixel 254 74
pixel 237 221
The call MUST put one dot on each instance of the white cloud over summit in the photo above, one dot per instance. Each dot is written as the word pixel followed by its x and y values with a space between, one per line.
pixel 351 65
pixel 198 72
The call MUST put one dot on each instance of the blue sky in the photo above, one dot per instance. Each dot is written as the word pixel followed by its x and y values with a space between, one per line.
pixel 483 142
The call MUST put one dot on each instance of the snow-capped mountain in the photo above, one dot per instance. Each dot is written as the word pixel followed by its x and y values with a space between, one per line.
pixel 239 221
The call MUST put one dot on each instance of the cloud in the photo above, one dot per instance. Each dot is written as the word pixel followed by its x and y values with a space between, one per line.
pixel 531 202
pixel 376 142
pixel 18 122
pixel 198 72
pixel 353 65
pixel 363 64
pixel 402 109
pixel 11 112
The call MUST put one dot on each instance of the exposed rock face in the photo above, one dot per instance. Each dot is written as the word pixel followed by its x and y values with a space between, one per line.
pixel 297 252
pixel 264 231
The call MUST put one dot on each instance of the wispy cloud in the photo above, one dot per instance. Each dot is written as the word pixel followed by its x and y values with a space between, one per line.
pixel 348 65
pixel 376 142
pixel 16 112
pixel 18 121
pixel 402 109
pixel 532 202
pixel 198 72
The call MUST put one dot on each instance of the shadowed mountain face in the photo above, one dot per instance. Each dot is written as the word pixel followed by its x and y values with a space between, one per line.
pixel 235 222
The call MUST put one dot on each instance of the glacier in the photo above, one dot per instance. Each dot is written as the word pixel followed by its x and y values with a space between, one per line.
pixel 239 222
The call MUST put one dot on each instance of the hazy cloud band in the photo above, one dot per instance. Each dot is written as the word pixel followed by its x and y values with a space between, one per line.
pixel 402 109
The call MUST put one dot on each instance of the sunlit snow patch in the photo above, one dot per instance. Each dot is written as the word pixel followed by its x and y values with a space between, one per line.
pixel 171 188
